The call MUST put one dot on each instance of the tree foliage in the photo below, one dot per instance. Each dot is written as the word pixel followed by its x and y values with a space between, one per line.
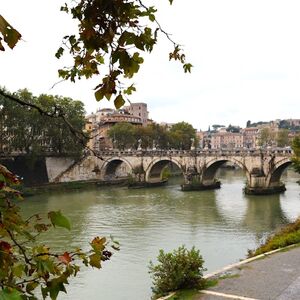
pixel 123 135
pixel 25 130
pixel 112 37
pixel 154 136
pixel 26 264
pixel 266 137
pixel 296 156
pixel 182 135
pixel 233 129
pixel 282 138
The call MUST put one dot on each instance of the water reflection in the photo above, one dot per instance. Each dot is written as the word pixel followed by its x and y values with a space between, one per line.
pixel 263 215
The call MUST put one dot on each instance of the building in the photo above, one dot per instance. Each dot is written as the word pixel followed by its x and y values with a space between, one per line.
pixel 138 110
pixel 226 140
pixel 250 137
pixel 293 122
pixel 200 136
pixel 99 123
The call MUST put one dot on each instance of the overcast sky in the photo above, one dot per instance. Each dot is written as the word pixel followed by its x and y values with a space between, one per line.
pixel 246 57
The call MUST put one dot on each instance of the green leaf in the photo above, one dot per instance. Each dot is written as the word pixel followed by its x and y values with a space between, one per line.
pixel 31 286
pixel 10 35
pixel 130 89
pixel 152 17
pixel 187 68
pixel 99 95
pixel 56 286
pixel 95 260
pixel 119 101
pixel 59 52
pixel 18 270
pixel 12 294
pixel 2 178
pixel 58 219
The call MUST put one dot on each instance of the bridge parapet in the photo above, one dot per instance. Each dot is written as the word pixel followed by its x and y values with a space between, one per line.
pixel 193 153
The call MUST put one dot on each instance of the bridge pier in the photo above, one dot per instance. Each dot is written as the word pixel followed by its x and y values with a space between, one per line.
pixel 193 181
pixel 259 185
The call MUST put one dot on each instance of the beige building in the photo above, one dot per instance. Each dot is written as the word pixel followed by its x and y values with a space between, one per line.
pixel 138 110
pixel 200 136
pixel 226 140
pixel 98 124
pixel 250 135
pixel 294 122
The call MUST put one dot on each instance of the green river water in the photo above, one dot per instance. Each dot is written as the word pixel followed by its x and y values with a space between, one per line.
pixel 223 224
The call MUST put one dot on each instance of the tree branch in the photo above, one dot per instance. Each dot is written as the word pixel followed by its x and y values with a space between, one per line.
pixel 27 260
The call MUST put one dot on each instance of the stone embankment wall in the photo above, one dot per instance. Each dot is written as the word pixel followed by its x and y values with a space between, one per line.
pixel 56 165
pixel 89 168
pixel 37 170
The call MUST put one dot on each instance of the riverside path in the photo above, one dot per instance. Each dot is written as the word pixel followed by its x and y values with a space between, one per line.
pixel 275 276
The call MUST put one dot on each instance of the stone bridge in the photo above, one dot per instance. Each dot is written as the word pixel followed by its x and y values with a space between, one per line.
pixel 263 168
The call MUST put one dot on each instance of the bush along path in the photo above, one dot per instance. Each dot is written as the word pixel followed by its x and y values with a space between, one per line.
pixel 272 271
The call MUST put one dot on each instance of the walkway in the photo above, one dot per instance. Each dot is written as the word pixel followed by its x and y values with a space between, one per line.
pixel 276 276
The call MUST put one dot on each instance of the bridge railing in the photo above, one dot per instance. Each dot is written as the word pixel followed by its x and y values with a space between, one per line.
pixel 197 152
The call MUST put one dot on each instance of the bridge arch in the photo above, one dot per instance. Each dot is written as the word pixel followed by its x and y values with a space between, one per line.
pixel 273 178
pixel 115 167
pixel 212 166
pixel 155 168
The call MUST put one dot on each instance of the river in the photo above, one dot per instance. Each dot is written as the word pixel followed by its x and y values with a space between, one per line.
pixel 223 224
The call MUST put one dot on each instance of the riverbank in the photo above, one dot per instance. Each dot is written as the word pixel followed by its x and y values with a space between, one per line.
pixel 67 186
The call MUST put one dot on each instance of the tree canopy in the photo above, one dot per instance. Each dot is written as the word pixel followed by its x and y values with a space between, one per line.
pixel 25 130
pixel 296 156
pixel 154 136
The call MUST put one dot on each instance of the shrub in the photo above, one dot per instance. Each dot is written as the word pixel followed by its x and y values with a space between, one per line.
pixel 180 269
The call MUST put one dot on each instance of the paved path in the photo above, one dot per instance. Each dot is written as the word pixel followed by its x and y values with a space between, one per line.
pixel 277 276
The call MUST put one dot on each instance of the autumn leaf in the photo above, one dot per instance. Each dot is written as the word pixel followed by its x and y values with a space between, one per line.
pixel 10 35
pixel 65 258
pixel 5 247
pixel 98 243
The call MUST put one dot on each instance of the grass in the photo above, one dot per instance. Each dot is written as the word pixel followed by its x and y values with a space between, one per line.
pixel 288 235
pixel 191 294
pixel 185 295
